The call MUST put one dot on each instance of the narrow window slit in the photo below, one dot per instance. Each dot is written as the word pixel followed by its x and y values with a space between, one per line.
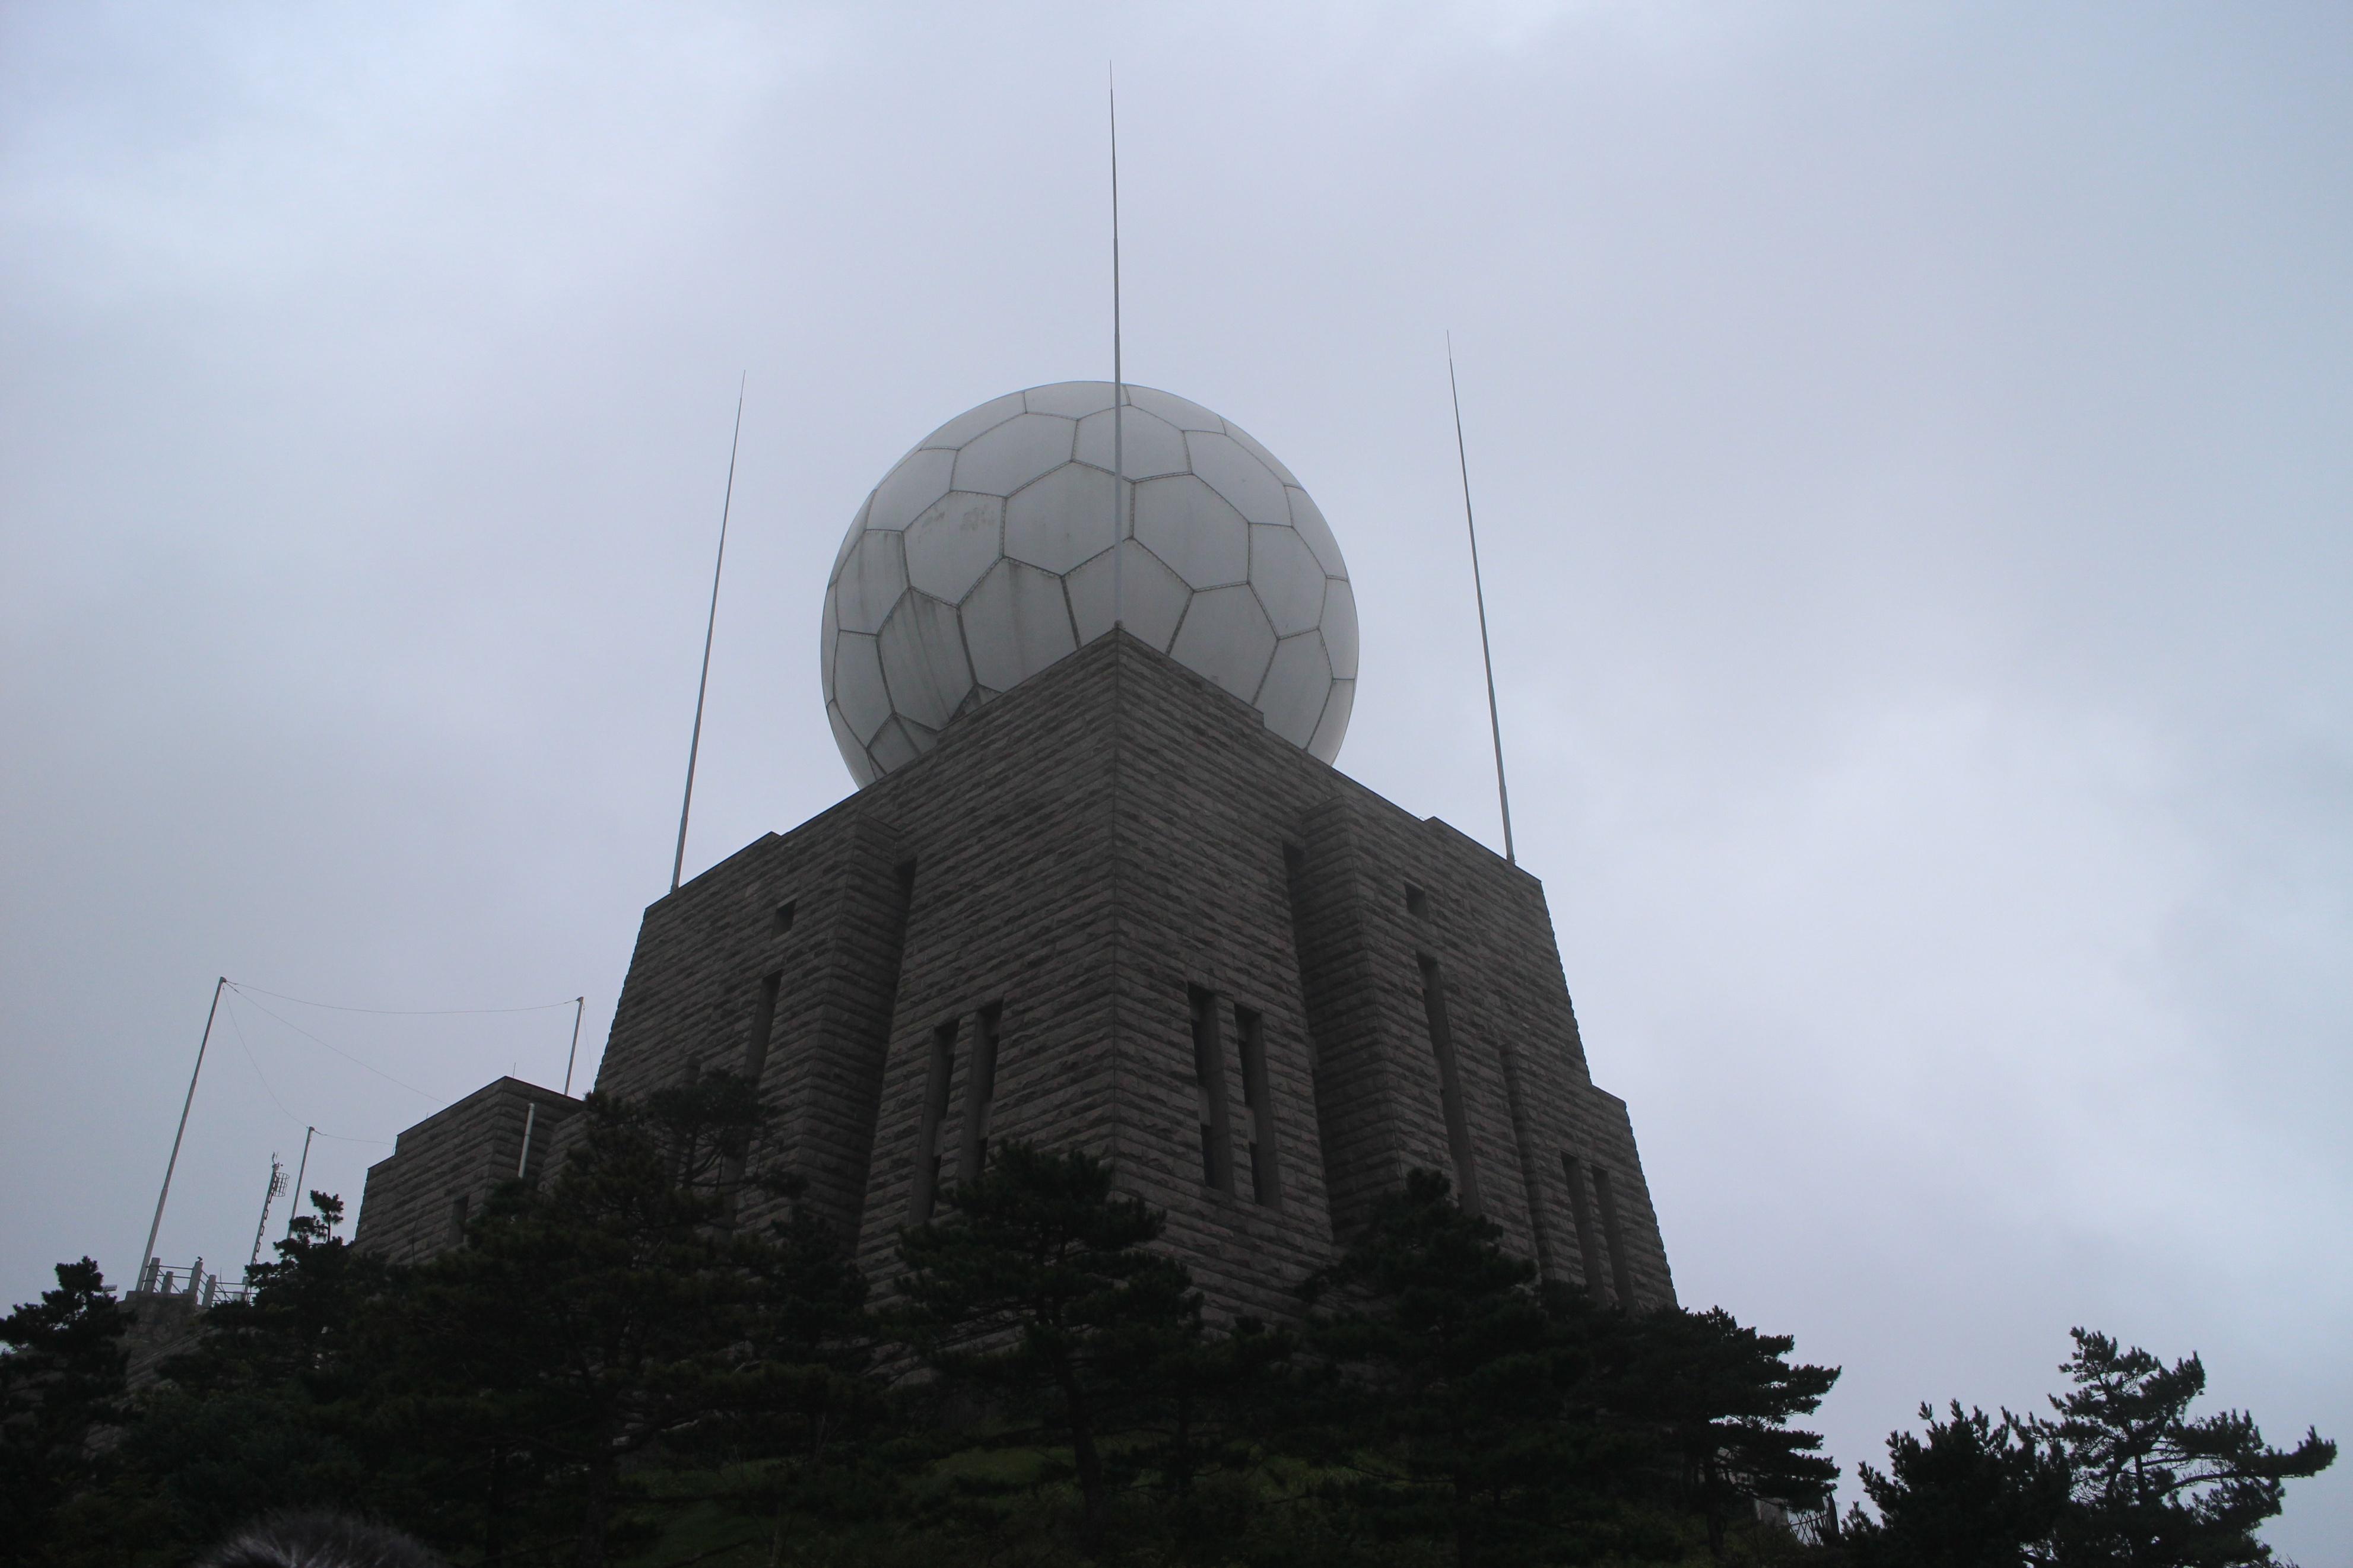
pixel 1450 1085
pixel 935 1114
pixel 980 1092
pixel 1210 1092
pixel 1258 1108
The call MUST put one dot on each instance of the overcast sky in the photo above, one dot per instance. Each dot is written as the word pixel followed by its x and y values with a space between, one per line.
pixel 1912 446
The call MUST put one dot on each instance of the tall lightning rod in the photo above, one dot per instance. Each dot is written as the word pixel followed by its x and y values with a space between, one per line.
pixel 1118 380
pixel 173 1163
pixel 1494 720
pixel 694 746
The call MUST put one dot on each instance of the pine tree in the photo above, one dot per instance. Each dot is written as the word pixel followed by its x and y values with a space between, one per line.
pixel 2154 1487
pixel 61 1391
pixel 1036 1291
pixel 1972 1492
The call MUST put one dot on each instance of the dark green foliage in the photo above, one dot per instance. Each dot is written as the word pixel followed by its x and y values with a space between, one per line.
pixel 1716 1399
pixel 616 1368
pixel 1466 1410
pixel 2152 1486
pixel 2124 1476
pixel 61 1386
pixel 1973 1493
pixel 1039 1294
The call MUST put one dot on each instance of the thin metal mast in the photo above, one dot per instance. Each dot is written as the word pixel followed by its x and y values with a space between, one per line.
pixel 1118 382
pixel 300 1170
pixel 694 746
pixel 1494 720
pixel 173 1163
pixel 580 1007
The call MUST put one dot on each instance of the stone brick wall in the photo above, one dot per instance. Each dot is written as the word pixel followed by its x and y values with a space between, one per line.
pixel 1085 855
pixel 411 1208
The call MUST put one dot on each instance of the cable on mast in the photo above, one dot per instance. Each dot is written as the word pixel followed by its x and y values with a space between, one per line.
pixel 1494 720
pixel 694 746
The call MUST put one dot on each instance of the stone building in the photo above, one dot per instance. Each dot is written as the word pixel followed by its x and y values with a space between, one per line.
pixel 1111 907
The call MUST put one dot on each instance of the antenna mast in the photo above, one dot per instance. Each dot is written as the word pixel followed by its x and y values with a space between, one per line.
pixel 694 746
pixel 1118 381
pixel 172 1163
pixel 1494 720
pixel 270 1196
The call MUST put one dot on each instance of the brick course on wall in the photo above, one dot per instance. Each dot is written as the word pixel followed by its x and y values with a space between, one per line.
pixel 1085 855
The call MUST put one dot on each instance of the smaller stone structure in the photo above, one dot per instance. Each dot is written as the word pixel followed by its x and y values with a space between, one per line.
pixel 444 1168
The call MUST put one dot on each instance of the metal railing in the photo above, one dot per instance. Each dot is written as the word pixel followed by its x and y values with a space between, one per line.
pixel 206 1290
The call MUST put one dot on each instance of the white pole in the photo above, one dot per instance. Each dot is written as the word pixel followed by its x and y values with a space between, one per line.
pixel 148 1255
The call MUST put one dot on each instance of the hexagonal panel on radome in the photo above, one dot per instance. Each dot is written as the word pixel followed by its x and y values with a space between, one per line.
pixel 1180 411
pixel 1333 727
pixel 1063 519
pixel 1002 460
pixel 1071 399
pixel 968 425
pixel 1242 478
pixel 1258 449
pixel 1226 637
pixel 1297 685
pixel 951 546
pixel 1149 443
pixel 861 767
pixel 1153 596
pixel 1339 627
pixel 1016 623
pixel 922 660
pixel 1190 526
pixel 857 686
pixel 1289 581
pixel 920 480
pixel 871 583
pixel 1308 518
pixel 828 625
pixel 893 747
pixel 850 540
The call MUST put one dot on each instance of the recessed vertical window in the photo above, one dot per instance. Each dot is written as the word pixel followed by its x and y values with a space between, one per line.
pixel 764 1025
pixel 784 917
pixel 1210 1094
pixel 980 1092
pixel 935 1114
pixel 1449 1084
pixel 1614 1236
pixel 1523 1145
pixel 1417 902
pixel 1258 1108
pixel 457 1206
pixel 1581 1215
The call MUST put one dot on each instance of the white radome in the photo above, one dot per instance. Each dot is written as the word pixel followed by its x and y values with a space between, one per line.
pixel 985 556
